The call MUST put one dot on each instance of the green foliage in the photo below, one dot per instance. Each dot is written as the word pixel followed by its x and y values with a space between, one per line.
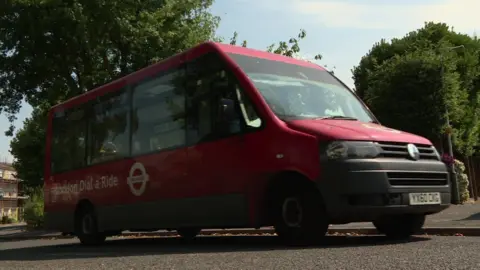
pixel 8 220
pixel 392 88
pixel 53 50
pixel 28 147
pixel 290 48
pixel 462 180
pixel 33 210
pixel 403 83
pixel 233 40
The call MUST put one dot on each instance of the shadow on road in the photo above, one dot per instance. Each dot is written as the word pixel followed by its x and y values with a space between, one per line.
pixel 12 228
pixel 473 217
pixel 158 246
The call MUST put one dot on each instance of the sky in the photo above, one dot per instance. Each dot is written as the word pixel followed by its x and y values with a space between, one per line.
pixel 342 31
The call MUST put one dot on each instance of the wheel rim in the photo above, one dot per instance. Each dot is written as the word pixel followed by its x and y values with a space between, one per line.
pixel 292 212
pixel 87 224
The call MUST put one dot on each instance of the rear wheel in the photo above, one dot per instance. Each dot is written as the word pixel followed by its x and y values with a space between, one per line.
pixel 188 233
pixel 87 227
pixel 401 226
pixel 300 216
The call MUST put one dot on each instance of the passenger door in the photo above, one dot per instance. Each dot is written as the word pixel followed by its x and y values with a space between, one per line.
pixel 218 150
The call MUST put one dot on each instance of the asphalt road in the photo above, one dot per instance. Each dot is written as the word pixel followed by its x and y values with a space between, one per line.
pixel 255 252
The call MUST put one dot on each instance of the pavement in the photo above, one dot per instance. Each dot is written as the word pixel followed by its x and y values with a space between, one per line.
pixel 457 219
pixel 245 252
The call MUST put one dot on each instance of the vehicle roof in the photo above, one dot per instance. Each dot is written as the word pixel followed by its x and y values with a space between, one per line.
pixel 226 48
pixel 265 55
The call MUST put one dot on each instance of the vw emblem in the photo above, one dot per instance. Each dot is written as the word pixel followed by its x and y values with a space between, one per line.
pixel 413 151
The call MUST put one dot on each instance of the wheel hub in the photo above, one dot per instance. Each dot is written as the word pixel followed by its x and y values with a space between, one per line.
pixel 87 224
pixel 292 212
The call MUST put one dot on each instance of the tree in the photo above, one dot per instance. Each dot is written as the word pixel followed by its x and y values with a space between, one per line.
pixel 403 84
pixel 141 40
pixel 392 87
pixel 52 50
pixel 233 40
pixel 290 48
pixel 28 147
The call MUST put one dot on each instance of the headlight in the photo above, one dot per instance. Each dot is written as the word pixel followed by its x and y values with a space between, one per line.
pixel 349 149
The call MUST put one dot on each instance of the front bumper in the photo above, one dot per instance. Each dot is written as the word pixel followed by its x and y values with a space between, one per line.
pixel 362 190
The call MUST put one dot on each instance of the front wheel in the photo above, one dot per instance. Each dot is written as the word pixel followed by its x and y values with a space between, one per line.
pixel 401 226
pixel 300 217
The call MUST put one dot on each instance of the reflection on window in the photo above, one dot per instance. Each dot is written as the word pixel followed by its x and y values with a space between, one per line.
pixel 159 114
pixel 68 142
pixel 151 116
pixel 294 97
pixel 211 85
pixel 109 129
pixel 294 91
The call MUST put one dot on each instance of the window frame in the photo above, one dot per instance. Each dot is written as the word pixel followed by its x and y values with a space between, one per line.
pixel 90 119
pixel 153 77
pixel 128 89
pixel 223 65
pixel 66 112
pixel 241 60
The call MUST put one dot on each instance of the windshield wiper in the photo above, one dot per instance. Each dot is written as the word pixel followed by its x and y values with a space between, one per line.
pixel 337 117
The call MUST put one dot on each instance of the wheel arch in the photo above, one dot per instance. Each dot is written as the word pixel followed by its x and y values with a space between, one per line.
pixel 81 206
pixel 282 182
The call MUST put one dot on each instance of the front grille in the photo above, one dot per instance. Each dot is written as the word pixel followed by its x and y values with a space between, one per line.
pixel 399 150
pixel 417 178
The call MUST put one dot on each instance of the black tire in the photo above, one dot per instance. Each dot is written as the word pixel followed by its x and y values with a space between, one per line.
pixel 87 227
pixel 300 217
pixel 188 233
pixel 401 226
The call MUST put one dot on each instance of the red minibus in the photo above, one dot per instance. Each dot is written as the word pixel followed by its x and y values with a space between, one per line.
pixel 221 136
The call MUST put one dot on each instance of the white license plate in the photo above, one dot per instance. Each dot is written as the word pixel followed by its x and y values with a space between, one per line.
pixel 425 198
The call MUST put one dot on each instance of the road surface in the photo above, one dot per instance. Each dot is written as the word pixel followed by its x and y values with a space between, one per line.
pixel 242 252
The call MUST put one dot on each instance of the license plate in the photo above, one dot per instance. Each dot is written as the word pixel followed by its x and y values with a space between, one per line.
pixel 425 198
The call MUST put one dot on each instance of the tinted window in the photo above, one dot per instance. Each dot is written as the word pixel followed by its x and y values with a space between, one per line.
pixel 254 65
pixel 211 84
pixel 294 91
pixel 159 113
pixel 109 128
pixel 68 140
pixel 250 116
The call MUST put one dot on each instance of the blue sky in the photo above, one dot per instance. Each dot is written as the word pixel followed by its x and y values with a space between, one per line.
pixel 341 30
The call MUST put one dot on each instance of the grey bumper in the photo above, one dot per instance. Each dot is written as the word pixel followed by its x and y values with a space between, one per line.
pixel 362 190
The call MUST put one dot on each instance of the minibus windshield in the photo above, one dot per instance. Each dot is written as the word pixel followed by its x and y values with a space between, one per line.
pixel 299 92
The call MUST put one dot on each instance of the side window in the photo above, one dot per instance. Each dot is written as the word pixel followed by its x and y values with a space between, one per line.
pixel 109 128
pixel 213 94
pixel 159 113
pixel 69 140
